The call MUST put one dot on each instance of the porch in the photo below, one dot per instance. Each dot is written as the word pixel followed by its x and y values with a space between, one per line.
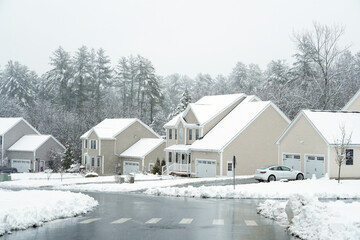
pixel 178 160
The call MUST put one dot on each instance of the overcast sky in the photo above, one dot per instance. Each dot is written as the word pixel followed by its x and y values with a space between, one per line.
pixel 187 36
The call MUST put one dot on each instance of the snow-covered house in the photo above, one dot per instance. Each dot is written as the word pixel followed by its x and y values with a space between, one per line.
pixel 202 140
pixel 31 152
pixel 308 144
pixel 121 146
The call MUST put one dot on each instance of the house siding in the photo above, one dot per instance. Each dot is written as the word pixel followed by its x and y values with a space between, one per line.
pixel 255 147
pixel 190 117
pixel 354 106
pixel 347 171
pixel 303 139
pixel 157 154
pixel 43 151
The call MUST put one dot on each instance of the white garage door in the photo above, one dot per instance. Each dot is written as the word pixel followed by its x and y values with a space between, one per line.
pixel 130 167
pixel 292 161
pixel 314 165
pixel 21 165
pixel 205 168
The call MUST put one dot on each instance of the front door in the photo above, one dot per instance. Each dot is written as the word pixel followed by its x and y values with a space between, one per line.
pixel 229 169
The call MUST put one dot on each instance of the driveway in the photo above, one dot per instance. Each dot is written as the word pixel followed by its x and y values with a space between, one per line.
pixel 135 216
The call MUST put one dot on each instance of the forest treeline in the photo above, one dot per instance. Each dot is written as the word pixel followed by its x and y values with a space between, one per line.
pixel 83 88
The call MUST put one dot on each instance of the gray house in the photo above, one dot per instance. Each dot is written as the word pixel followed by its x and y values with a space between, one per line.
pixel 11 130
pixel 30 152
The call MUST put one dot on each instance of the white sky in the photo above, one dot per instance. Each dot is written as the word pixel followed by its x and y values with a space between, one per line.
pixel 187 36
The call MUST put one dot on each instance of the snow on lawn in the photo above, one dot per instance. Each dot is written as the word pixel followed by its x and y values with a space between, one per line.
pixel 321 188
pixel 28 208
pixel 315 220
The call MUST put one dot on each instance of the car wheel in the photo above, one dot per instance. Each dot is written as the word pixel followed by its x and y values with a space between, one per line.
pixel 299 177
pixel 271 178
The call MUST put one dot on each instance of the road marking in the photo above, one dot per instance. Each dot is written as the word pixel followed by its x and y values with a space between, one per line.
pixel 218 222
pixel 186 221
pixel 153 220
pixel 90 220
pixel 121 220
pixel 250 223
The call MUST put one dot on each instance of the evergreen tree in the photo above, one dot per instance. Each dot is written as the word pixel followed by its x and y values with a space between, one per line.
pixel 68 157
pixel 18 83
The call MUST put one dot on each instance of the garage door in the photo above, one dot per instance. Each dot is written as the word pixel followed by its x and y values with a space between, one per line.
pixel 130 167
pixel 292 161
pixel 21 165
pixel 314 165
pixel 205 168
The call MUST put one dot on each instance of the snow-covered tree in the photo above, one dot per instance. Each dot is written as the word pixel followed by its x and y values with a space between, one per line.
pixel 340 148
pixel 68 157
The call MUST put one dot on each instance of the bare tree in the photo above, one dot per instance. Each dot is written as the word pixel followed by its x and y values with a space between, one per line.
pixel 321 47
pixel 340 147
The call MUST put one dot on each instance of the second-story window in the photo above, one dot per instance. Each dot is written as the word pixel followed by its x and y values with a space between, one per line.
pixel 190 134
pixel 85 143
pixel 175 134
pixel 170 133
pixel 197 134
pixel 92 144
pixel 181 134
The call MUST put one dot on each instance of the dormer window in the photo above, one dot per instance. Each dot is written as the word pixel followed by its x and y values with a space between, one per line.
pixel 181 134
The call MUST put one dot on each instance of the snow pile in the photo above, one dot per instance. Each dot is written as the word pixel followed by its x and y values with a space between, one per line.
pixel 24 209
pixel 316 220
pixel 321 188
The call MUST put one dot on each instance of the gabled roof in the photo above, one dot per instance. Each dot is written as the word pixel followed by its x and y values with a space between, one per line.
pixel 7 123
pixel 328 124
pixel 207 108
pixel 142 148
pixel 351 101
pixel 30 143
pixel 109 128
pixel 233 125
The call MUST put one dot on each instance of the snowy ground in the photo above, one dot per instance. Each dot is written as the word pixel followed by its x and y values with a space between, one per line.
pixel 28 208
pixel 316 220
pixel 321 188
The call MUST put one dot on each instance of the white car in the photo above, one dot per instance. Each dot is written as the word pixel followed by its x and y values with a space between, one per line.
pixel 275 172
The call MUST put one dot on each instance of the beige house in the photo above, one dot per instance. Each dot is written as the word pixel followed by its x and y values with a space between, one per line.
pixel 118 146
pixel 353 104
pixel 202 140
pixel 308 144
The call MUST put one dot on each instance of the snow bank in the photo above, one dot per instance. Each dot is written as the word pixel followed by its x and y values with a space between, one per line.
pixel 320 188
pixel 316 220
pixel 27 208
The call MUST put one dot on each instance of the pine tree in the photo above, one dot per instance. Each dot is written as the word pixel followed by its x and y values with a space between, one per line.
pixel 68 157
pixel 18 83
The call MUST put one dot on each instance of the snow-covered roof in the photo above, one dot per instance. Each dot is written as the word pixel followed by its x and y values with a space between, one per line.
pixel 7 123
pixel 142 147
pixel 30 143
pixel 207 108
pixel 329 123
pixel 231 126
pixel 178 148
pixel 109 128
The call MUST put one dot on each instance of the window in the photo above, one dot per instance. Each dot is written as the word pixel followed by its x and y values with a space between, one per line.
pixel 181 134
pixel 170 155
pixel 285 168
pixel 170 133
pixel 85 143
pixel 197 134
pixel 92 161
pixel 190 134
pixel 98 161
pixel 175 134
pixel 349 156
pixel 189 158
pixel 151 166
pixel 229 166
pixel 93 144
pixel 176 157
pixel 0 140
